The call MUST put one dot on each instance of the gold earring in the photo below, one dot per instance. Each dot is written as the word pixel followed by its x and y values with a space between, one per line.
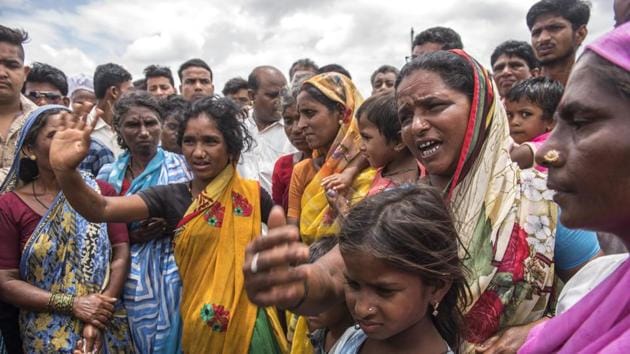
pixel 551 156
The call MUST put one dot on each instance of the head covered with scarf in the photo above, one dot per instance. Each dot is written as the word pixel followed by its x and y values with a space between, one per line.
pixel 64 254
pixel 317 217
pixel 504 216
pixel 20 161
pixel 599 321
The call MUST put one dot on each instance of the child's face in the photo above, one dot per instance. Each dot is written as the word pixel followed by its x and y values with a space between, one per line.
pixel 338 314
pixel 374 146
pixel 526 120
pixel 385 301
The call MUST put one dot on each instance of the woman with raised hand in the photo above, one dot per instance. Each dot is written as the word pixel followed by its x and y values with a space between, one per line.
pixel 153 289
pixel 453 123
pixel 216 214
pixel 587 156
pixel 63 272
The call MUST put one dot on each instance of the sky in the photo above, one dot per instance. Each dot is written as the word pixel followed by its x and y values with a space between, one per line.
pixel 235 36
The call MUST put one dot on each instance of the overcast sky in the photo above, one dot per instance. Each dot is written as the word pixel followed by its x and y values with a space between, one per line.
pixel 235 36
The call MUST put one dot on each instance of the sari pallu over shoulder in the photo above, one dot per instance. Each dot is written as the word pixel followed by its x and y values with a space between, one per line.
pixel 316 216
pixel 210 251
pixel 505 218
pixel 65 253
pixel 68 254
pixel 153 288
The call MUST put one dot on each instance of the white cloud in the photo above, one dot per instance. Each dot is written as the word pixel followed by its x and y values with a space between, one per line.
pixel 234 37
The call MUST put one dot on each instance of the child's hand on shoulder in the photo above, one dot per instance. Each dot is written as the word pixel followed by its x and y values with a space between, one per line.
pixel 338 182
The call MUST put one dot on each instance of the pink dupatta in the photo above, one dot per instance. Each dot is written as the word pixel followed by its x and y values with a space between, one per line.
pixel 599 323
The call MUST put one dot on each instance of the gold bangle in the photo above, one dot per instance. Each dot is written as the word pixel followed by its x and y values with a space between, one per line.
pixel 61 303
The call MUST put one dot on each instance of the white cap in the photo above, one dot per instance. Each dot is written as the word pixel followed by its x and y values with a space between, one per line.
pixel 79 82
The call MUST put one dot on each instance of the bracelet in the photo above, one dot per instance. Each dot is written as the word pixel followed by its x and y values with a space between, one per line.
pixel 61 303
pixel 301 302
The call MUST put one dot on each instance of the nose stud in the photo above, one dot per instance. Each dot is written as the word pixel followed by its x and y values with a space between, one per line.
pixel 551 156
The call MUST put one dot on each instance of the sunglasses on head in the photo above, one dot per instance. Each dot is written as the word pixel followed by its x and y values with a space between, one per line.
pixel 51 96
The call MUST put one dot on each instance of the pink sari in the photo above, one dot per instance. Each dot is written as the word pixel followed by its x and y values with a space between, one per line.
pixel 599 323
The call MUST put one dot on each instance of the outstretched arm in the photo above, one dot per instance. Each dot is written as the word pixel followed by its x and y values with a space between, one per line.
pixel 304 289
pixel 68 148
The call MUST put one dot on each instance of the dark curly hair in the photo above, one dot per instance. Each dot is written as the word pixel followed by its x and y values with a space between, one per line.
pixel 126 102
pixel 225 113
pixel 411 229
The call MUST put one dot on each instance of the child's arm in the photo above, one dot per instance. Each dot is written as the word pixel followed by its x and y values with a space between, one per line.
pixel 523 156
pixel 340 181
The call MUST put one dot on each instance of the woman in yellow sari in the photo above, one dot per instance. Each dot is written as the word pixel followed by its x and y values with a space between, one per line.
pixel 327 103
pixel 217 214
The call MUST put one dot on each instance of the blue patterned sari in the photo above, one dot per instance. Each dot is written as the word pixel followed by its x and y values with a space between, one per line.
pixel 153 288
pixel 66 254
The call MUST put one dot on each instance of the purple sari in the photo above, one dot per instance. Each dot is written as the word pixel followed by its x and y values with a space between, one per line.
pixel 599 323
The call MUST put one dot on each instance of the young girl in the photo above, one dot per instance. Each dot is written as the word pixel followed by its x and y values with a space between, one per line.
pixel 530 105
pixel 404 280
pixel 383 148
pixel 382 145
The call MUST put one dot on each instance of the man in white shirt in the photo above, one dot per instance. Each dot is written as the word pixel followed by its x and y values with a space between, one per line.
pixel 110 82
pixel 265 126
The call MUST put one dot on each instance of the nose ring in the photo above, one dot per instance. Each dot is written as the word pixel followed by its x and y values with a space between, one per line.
pixel 551 156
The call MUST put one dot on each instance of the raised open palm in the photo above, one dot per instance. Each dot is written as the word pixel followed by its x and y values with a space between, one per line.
pixel 71 142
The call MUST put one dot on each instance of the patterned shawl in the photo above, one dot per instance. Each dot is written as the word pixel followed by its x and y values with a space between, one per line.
pixel 505 219
pixel 316 216
pixel 153 288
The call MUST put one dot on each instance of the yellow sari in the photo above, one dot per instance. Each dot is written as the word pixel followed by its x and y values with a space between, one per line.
pixel 210 251
pixel 316 216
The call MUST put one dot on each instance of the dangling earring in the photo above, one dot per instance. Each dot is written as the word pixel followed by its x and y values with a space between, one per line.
pixel 435 308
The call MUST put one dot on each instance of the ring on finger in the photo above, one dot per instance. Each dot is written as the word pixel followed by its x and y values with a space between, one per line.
pixel 254 266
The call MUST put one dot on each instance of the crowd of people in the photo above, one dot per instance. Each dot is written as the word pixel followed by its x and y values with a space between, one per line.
pixel 457 209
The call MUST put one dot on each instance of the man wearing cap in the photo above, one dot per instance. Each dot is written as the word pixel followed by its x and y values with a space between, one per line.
pixel 81 92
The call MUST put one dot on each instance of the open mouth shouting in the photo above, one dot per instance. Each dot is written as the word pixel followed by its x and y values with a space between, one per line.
pixel 428 148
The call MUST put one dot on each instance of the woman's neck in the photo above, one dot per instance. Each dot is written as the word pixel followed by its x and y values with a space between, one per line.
pixel 421 337
pixel 439 182
pixel 139 162
pixel 46 183
pixel 196 186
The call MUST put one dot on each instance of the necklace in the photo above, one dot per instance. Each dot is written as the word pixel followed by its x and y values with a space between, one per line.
pixel 37 199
